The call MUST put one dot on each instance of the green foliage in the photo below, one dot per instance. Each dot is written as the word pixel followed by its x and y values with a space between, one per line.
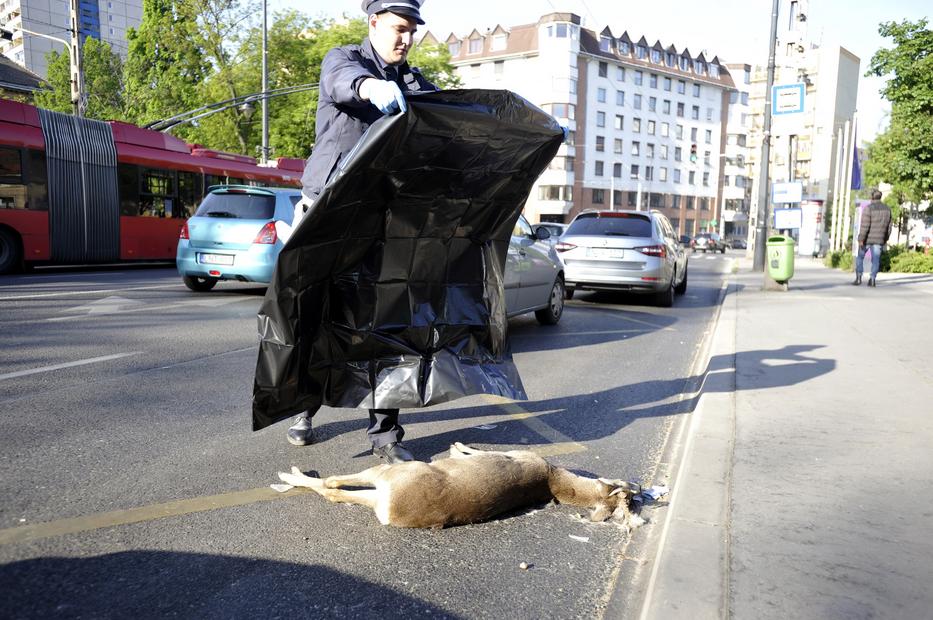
pixel 434 63
pixel 903 155
pixel 103 83
pixel 912 262
pixel 895 259
pixel 840 259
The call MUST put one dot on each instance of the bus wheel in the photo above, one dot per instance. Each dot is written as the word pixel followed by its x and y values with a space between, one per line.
pixel 11 253
pixel 201 285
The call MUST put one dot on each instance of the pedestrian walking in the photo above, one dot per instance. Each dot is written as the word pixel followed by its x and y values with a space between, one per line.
pixel 359 84
pixel 873 233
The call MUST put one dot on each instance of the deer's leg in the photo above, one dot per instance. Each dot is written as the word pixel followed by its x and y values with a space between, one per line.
pixel 463 450
pixel 363 497
pixel 365 478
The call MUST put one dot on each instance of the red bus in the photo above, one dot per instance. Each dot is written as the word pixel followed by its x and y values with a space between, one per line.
pixel 80 191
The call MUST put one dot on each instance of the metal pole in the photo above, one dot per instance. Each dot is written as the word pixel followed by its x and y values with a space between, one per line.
pixel 847 187
pixel 612 187
pixel 77 70
pixel 638 198
pixel 264 156
pixel 761 226
pixel 834 222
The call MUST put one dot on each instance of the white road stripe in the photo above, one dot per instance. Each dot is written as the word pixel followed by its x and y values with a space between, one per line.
pixel 95 292
pixel 91 360
pixel 209 302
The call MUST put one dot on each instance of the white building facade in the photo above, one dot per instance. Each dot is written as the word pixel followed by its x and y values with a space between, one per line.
pixel 106 20
pixel 647 122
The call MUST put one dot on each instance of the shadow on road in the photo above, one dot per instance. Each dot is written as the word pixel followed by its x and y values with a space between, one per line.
pixel 159 584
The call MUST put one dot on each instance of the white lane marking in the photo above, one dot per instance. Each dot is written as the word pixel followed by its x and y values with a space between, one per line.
pixel 95 292
pixel 91 360
pixel 206 301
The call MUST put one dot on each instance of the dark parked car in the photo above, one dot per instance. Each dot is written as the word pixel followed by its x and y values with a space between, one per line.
pixel 737 243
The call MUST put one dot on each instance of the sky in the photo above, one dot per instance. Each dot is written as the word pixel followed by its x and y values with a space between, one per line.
pixel 734 30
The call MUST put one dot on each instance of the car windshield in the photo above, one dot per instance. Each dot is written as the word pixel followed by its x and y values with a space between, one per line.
pixel 237 205
pixel 616 224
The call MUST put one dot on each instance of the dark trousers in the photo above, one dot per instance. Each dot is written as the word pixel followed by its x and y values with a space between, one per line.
pixel 383 426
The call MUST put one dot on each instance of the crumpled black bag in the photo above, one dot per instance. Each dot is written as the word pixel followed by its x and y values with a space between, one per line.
pixel 389 292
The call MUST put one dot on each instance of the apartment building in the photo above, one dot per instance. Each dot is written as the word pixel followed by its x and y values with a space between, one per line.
pixel 737 173
pixel 647 121
pixel 106 20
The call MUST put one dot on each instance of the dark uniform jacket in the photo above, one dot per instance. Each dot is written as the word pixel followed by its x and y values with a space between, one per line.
pixel 342 116
pixel 875 225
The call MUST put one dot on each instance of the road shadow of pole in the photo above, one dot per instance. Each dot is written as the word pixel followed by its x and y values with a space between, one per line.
pixel 158 584
pixel 596 415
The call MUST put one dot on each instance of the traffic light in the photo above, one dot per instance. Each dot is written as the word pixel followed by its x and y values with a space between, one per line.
pixel 693 153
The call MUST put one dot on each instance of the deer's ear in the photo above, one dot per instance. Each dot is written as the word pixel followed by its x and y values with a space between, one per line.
pixel 616 491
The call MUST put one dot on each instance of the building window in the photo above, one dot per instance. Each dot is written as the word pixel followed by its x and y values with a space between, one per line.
pixel 709 136
pixel 665 130
pixel 695 113
pixel 605 43
pixel 653 80
pixel 699 67
pixel 666 106
pixel 714 71
pixel 680 109
pixel 600 119
pixel 561 110
pixel 617 146
pixel 709 114
pixel 620 74
pixel 616 197
pixel 676 180
pixel 636 125
pixel 706 179
pixel 499 42
pixel 598 168
pixel 681 87
pixel 693 134
pixel 655 56
pixel 704 204
pixel 725 181
pixel 641 52
pixel 651 128
pixel 675 200
pixel 678 153
pixel 620 122
pixel 652 104
pixel 555 192
pixel 498 68
pixel 475 69
pixel 670 59
pixel 639 78
pixel 684 63
pixel 601 95
pixel 696 90
pixel 454 48
pixel 620 97
pixel 599 196
pixel 649 150
pixel 562 163
pixel 476 46
pixel 689 202
pixel 691 178
pixel 740 181
pixel 733 97
pixel 662 174
pixel 664 151
pixel 624 47
pixel 603 69
pixel 636 148
pixel 600 143
pixel 632 197
pixel 617 170
pixel 649 173
pixel 667 84
pixel 573 87
pixel 633 171
pixel 636 102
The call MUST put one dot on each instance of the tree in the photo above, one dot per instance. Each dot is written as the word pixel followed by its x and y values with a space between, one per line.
pixel 165 64
pixel 103 84
pixel 903 155
pixel 434 63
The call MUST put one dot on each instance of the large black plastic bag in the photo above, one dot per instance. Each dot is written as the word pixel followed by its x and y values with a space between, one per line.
pixel 389 292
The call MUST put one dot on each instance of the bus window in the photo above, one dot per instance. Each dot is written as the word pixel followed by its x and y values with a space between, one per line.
pixel 12 188
pixel 128 178
pixel 212 179
pixel 156 192
pixel 232 181
pixel 189 193
pixel 37 187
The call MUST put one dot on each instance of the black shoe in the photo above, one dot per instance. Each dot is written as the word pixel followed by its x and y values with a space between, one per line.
pixel 858 280
pixel 394 453
pixel 301 433
pixel 871 282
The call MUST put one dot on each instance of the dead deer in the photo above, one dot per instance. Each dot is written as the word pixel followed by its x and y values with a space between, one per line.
pixel 470 486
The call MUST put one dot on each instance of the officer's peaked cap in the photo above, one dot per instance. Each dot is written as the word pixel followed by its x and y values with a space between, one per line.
pixel 405 8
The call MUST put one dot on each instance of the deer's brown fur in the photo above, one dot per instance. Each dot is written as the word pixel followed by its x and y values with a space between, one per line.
pixel 470 486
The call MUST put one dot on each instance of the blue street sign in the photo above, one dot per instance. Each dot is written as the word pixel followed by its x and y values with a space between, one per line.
pixel 787 98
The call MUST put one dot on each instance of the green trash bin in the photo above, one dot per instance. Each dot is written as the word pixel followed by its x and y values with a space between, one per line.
pixel 780 255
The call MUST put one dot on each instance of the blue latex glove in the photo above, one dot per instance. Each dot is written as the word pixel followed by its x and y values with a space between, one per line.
pixel 566 132
pixel 387 96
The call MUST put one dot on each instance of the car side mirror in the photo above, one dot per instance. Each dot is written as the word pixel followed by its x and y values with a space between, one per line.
pixel 542 234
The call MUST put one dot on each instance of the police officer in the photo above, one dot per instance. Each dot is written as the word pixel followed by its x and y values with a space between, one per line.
pixel 360 84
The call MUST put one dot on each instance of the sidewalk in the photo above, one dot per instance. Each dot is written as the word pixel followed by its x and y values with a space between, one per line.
pixel 805 482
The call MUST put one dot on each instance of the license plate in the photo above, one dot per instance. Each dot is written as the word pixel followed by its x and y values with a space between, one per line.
pixel 215 259
pixel 604 252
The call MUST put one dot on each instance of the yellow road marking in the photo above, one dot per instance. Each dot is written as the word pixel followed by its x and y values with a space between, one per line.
pixel 36 531
pixel 560 444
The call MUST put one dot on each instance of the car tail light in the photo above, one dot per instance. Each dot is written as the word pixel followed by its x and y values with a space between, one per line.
pixel 654 250
pixel 184 231
pixel 267 234
pixel 563 247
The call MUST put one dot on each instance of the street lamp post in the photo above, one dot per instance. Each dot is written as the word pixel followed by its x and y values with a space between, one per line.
pixel 74 53
pixel 264 149
pixel 761 225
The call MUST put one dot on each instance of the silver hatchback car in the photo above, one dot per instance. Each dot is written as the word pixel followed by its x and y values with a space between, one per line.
pixel 634 251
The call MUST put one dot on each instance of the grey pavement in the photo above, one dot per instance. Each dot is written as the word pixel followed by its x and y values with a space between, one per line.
pixel 803 480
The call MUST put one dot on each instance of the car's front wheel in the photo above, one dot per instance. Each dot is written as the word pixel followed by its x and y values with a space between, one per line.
pixel 551 314
pixel 201 285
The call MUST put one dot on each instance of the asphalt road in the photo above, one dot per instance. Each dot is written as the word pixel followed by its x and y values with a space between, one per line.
pixel 132 485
